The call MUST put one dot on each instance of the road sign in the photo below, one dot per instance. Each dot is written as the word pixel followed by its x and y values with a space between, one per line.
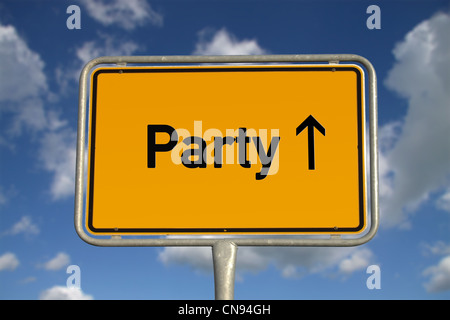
pixel 273 149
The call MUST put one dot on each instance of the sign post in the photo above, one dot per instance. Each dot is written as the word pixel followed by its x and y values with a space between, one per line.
pixel 224 262
pixel 263 151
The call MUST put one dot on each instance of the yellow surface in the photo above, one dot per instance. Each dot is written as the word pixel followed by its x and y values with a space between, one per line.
pixel 128 195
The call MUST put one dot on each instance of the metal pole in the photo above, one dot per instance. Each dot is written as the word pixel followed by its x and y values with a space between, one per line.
pixel 224 261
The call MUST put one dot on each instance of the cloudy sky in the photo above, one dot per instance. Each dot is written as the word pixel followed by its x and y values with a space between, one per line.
pixel 40 63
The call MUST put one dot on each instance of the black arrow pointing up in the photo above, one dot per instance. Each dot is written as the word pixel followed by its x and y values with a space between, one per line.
pixel 310 122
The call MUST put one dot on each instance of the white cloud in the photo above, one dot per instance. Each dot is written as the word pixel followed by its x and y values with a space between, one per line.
pixel 58 262
pixel 387 137
pixel 357 261
pixel 127 14
pixel 439 276
pixel 22 82
pixel 291 262
pixel 18 60
pixel 224 43
pixel 438 248
pixel 444 201
pixel 64 293
pixel 58 156
pixel 30 114
pixel 199 258
pixel 105 45
pixel 26 226
pixel 23 87
pixel 297 262
pixel 8 261
pixel 419 161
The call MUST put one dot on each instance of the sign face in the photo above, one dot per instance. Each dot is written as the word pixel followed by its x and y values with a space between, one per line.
pixel 226 149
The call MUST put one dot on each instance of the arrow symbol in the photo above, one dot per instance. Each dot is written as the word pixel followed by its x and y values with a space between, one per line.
pixel 310 123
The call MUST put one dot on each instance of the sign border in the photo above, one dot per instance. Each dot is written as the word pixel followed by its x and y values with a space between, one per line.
pixel 288 240
pixel 225 229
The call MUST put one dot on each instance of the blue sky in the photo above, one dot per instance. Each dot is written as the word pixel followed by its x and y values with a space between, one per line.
pixel 40 61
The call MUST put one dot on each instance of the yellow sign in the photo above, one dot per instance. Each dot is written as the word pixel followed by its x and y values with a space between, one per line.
pixel 226 149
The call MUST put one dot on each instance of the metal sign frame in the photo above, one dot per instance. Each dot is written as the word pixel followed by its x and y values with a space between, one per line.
pixel 238 240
